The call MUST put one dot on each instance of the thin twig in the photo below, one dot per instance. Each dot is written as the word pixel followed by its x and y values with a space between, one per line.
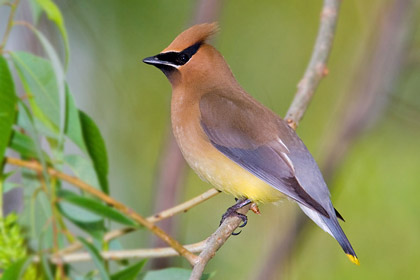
pixel 317 67
pixel 183 207
pixel 125 254
pixel 13 7
pixel 192 259
pixel 306 89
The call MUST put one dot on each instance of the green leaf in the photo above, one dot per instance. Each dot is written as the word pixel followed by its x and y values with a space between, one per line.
pixel 24 145
pixel 16 270
pixel 97 258
pixel 96 149
pixel 92 224
pixel 60 78
pixel 7 106
pixel 39 80
pixel 7 186
pixel 54 14
pixel 95 229
pixel 83 169
pixel 77 214
pixel 130 272
pixel 172 273
pixel 45 241
pixel 45 264
pixel 95 207
pixel 26 121
pixel 37 207
pixel 73 125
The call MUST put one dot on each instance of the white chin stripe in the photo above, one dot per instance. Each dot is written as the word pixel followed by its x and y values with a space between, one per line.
pixel 170 64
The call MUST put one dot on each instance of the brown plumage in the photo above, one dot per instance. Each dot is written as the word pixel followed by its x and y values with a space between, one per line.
pixel 197 33
pixel 234 142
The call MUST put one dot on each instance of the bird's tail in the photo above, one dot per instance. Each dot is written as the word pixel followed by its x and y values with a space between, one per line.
pixel 331 226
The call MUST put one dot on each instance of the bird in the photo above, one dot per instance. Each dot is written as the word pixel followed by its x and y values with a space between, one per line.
pixel 234 142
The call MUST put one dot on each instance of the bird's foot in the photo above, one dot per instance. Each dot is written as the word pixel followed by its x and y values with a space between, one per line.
pixel 232 212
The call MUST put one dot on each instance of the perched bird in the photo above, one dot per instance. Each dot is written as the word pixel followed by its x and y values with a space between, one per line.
pixel 234 142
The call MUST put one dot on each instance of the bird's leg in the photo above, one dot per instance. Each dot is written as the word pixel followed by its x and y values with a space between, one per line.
pixel 231 211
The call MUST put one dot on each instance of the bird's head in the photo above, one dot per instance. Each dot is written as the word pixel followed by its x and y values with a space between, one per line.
pixel 189 59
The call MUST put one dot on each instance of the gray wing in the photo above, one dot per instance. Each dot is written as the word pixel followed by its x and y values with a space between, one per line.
pixel 238 129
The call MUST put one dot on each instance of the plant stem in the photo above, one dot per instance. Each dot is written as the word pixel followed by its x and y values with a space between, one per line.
pixel 116 255
pixel 13 7
pixel 317 67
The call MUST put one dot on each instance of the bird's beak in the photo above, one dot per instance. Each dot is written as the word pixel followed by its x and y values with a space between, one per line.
pixel 158 62
pixel 153 60
pixel 166 67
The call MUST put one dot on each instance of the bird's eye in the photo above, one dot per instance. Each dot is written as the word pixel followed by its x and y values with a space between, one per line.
pixel 183 58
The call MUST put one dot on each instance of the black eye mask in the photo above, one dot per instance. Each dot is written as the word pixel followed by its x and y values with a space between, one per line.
pixel 179 58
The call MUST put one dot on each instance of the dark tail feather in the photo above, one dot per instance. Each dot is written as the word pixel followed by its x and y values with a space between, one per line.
pixel 341 238
pixel 339 215
pixel 332 226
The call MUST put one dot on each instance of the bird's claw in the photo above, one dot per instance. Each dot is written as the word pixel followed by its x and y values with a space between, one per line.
pixel 244 219
pixel 236 233
pixel 233 213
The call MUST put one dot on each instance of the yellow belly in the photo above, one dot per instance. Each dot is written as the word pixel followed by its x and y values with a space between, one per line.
pixel 227 176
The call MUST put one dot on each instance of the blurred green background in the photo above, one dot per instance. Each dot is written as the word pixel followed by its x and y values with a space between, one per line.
pixel 268 45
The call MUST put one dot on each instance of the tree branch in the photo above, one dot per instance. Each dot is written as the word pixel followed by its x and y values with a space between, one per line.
pixel 184 207
pixel 192 259
pixel 125 254
pixel 315 71
pixel 215 241
pixel 317 67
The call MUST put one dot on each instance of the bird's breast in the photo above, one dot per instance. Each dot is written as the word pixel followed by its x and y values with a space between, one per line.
pixel 210 164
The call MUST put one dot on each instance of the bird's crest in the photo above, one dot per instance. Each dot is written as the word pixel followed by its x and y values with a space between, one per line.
pixel 196 34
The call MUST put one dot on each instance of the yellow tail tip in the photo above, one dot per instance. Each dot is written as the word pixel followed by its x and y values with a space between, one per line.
pixel 353 259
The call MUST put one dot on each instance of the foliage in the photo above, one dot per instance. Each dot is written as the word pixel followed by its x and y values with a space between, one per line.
pixel 267 47
pixel 12 242
pixel 7 105
pixel 39 124
pixel 14 253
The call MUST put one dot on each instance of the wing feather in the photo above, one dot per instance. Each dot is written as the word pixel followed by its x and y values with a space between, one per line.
pixel 237 129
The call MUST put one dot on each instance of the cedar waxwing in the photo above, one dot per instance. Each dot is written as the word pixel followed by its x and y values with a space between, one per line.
pixel 235 143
